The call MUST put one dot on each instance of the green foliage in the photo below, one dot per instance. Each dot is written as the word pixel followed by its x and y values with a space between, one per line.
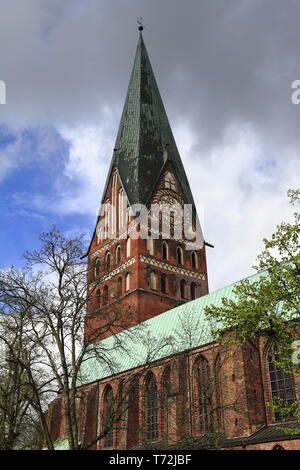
pixel 269 306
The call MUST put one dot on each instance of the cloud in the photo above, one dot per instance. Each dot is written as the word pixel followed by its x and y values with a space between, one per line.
pixel 224 70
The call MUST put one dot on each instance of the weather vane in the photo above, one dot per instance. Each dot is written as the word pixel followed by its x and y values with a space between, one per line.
pixel 140 21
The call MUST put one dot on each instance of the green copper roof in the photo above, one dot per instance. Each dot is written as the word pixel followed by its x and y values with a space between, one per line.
pixel 157 337
pixel 145 140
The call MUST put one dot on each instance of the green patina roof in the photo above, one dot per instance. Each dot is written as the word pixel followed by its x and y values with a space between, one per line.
pixel 144 132
pixel 138 343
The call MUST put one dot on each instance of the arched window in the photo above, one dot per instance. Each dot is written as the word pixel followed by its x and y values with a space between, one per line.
pixel 133 413
pixel 170 181
pixel 183 289
pixel 122 210
pixel 119 286
pixel 105 295
pixel 164 283
pixel 151 407
pixel 107 261
pixel 107 218
pixel 127 286
pixel 97 268
pixel 118 254
pixel 150 246
pixel 218 387
pixel 204 394
pixel 179 255
pixel 278 447
pixel 165 253
pixel 282 384
pixel 108 416
pixel 114 202
pixel 98 299
pixel 194 260
pixel 128 247
pixel 166 392
pixel 153 280
pixel 193 290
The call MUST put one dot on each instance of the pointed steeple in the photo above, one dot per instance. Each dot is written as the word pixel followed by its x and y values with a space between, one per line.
pixel 145 140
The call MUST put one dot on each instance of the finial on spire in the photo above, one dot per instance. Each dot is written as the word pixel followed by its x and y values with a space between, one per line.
pixel 140 21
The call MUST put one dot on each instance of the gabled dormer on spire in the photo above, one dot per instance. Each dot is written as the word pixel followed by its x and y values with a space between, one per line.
pixel 145 140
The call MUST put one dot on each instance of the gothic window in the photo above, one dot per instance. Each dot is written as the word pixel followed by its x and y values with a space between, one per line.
pixel 128 247
pixel 107 216
pixel 179 255
pixel 203 385
pixel 107 416
pixel 166 391
pixel 151 407
pixel 105 295
pixel 121 209
pixel 119 286
pixel 127 282
pixel 153 280
pixel 114 201
pixel 165 253
pixel 97 268
pixel 194 260
pixel 150 246
pixel 218 383
pixel 107 261
pixel 164 283
pixel 99 235
pixel 170 181
pixel 98 298
pixel 193 290
pixel 133 413
pixel 183 289
pixel 282 384
pixel 118 254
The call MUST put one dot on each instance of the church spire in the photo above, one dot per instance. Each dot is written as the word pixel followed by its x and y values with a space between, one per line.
pixel 145 140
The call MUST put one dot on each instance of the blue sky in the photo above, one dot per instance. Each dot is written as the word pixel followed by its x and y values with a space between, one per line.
pixel 225 74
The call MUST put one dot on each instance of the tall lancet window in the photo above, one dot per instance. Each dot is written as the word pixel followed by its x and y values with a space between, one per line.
pixel 151 407
pixel 179 255
pixel 282 384
pixel 127 282
pixel 114 202
pixel 107 261
pixel 166 392
pixel 153 280
pixel 204 393
pixel 108 416
pixel 194 260
pixel 150 246
pixel 122 210
pixel 107 219
pixel 105 295
pixel 165 251
pixel 118 254
pixel 170 181
pixel 128 247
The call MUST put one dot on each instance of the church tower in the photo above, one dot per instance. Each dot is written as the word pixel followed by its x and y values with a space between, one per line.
pixel 140 262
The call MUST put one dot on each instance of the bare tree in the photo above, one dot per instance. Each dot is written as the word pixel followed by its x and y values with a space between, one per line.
pixel 50 295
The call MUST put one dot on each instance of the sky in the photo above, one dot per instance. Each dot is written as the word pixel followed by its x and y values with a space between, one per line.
pixel 224 70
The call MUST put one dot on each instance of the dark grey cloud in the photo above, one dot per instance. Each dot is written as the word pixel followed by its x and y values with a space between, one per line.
pixel 224 69
pixel 217 62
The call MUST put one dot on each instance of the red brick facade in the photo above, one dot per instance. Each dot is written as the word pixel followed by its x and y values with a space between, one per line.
pixel 238 404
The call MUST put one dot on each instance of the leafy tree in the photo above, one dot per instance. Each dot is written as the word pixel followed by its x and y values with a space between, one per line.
pixel 266 308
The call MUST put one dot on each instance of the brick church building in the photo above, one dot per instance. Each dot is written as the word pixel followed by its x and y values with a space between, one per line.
pixel 178 387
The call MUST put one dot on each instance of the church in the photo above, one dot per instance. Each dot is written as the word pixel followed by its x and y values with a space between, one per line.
pixel 172 386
